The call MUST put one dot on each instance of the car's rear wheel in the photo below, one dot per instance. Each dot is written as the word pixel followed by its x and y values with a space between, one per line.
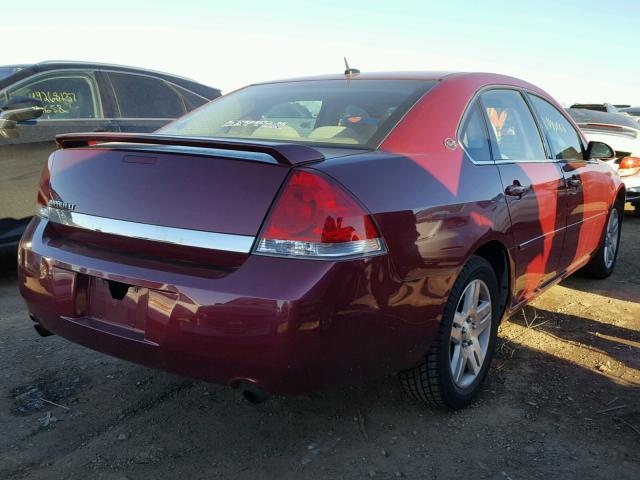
pixel 457 363
pixel 603 261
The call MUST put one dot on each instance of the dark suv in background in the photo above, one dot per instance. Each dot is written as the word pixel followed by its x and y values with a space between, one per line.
pixel 40 101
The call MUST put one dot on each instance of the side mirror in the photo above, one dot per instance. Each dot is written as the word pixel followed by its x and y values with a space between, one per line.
pixel 600 151
pixel 21 109
pixel 8 128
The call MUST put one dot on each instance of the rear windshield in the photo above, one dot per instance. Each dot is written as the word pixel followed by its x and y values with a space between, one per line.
pixel 325 112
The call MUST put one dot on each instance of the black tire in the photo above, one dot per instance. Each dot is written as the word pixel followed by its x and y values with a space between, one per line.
pixel 431 381
pixel 597 267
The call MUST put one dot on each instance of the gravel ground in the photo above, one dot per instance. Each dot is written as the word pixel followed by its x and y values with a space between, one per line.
pixel 562 401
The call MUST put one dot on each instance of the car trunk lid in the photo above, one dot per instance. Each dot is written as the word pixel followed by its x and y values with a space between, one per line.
pixel 178 198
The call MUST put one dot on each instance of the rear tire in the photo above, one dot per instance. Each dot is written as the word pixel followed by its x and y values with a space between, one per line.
pixel 455 367
pixel 604 259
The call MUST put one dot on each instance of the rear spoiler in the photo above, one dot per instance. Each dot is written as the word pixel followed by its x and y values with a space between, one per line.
pixel 621 130
pixel 284 153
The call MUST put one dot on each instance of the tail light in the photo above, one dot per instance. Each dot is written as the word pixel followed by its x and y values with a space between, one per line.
pixel 42 209
pixel 628 166
pixel 314 217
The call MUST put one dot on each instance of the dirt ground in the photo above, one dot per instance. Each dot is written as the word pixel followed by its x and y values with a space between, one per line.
pixel 562 401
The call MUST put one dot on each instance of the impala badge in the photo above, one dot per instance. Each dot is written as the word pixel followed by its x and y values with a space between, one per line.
pixel 62 205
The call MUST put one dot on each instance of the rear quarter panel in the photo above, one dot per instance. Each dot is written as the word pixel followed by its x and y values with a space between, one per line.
pixel 434 206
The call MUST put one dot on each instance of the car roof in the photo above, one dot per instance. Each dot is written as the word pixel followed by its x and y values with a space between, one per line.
pixel 583 116
pixel 17 65
pixel 435 75
pixel 477 78
pixel 64 64
pixel 28 70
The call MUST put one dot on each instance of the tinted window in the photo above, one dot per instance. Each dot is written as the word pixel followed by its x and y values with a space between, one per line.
pixel 145 97
pixel 473 135
pixel 65 96
pixel 191 100
pixel 515 132
pixel 563 139
pixel 356 112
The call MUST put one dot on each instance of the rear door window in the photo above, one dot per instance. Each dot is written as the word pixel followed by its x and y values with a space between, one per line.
pixel 139 96
pixel 65 95
pixel 563 139
pixel 515 133
pixel 473 135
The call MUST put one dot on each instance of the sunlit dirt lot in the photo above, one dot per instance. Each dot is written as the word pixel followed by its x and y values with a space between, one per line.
pixel 562 401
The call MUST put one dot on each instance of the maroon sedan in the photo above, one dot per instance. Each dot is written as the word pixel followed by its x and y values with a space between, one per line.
pixel 305 233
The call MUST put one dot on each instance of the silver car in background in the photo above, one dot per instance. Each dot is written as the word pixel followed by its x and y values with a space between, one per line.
pixel 633 112
pixel 622 133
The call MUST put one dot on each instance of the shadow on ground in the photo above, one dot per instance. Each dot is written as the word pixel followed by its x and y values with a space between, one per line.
pixel 539 416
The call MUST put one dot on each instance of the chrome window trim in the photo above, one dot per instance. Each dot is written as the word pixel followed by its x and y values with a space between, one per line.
pixel 156 233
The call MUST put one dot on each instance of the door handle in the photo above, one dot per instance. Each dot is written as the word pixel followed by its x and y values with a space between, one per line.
pixel 516 189
pixel 574 182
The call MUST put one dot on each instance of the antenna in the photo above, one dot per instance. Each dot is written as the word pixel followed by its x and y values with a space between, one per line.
pixel 350 71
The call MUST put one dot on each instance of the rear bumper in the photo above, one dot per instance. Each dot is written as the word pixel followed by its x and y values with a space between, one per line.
pixel 287 325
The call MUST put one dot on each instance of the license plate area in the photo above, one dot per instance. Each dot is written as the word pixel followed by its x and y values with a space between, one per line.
pixel 117 303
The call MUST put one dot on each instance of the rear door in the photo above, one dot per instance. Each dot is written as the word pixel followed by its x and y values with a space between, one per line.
pixel 145 103
pixel 72 104
pixel 588 186
pixel 533 186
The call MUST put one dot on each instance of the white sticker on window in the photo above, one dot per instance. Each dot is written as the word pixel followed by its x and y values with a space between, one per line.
pixel 255 123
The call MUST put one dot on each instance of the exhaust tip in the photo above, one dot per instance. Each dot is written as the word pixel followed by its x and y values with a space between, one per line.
pixel 250 391
pixel 43 332
pixel 254 397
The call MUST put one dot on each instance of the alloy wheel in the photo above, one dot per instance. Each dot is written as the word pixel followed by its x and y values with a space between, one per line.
pixel 470 333
pixel 611 238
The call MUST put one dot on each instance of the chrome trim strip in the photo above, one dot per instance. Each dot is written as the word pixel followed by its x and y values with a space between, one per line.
pixel 539 237
pixel 156 233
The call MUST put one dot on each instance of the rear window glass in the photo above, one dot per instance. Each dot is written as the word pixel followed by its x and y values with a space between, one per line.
pixel 331 112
